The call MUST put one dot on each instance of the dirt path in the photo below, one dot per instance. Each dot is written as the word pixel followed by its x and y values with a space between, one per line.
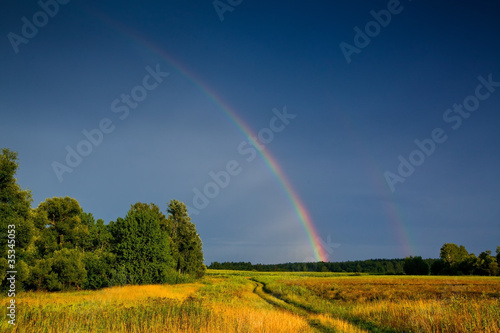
pixel 319 322
pixel 269 298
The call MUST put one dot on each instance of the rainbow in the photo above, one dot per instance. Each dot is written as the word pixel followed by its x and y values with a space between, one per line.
pixel 394 214
pixel 271 162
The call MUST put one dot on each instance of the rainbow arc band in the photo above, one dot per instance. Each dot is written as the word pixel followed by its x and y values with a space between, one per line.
pixel 296 202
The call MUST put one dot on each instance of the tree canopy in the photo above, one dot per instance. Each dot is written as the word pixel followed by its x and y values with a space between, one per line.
pixel 58 246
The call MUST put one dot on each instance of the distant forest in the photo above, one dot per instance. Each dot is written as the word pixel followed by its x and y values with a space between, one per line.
pixel 454 260
pixel 58 246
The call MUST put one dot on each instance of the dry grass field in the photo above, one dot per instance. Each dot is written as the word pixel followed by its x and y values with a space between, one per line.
pixel 397 304
pixel 225 301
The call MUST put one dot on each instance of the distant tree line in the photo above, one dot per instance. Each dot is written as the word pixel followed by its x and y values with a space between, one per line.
pixel 375 266
pixel 454 260
pixel 58 246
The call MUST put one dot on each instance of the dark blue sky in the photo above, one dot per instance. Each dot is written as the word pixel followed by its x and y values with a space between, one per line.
pixel 357 118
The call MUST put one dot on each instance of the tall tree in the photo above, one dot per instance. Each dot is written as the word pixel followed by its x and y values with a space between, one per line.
pixel 15 211
pixel 187 248
pixel 141 247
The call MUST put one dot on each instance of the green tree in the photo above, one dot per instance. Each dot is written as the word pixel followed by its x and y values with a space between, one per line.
pixel 486 264
pixel 415 266
pixel 398 267
pixel 15 210
pixel 389 268
pixel 379 268
pixel 69 267
pixel 438 267
pixel 467 266
pixel 154 210
pixel 452 254
pixel 186 243
pixel 95 235
pixel 498 254
pixel 141 247
pixel 100 269
pixel 39 274
pixel 60 225
pixel 23 275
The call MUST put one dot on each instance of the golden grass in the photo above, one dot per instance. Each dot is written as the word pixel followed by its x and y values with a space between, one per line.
pixel 298 303
pixel 249 319
pixel 404 304
pixel 372 288
pixel 153 308
pixel 122 295
pixel 433 315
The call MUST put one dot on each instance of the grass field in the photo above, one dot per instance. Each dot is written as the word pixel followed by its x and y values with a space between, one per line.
pixel 234 301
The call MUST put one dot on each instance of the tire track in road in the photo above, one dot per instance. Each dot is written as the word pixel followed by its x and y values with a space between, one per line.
pixel 315 320
pixel 269 298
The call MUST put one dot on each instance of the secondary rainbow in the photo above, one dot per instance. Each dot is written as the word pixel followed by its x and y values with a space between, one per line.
pixel 393 212
pixel 296 202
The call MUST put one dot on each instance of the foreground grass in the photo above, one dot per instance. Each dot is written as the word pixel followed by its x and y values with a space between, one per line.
pixel 228 301
pixel 215 305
